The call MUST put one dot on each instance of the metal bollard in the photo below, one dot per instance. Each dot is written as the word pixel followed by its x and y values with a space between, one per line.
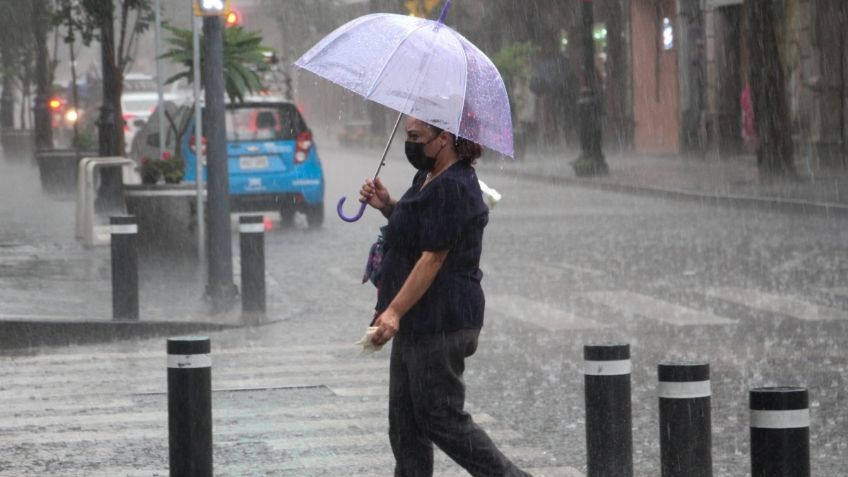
pixel 685 427
pixel 609 435
pixel 124 233
pixel 780 432
pixel 190 406
pixel 252 245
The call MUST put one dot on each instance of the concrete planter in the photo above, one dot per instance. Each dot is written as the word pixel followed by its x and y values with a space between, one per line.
pixel 167 219
pixel 57 169
pixel 17 144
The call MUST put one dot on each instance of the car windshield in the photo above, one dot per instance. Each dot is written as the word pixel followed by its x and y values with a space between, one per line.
pixel 263 122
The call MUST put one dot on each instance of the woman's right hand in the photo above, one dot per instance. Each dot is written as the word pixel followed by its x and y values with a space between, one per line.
pixel 375 194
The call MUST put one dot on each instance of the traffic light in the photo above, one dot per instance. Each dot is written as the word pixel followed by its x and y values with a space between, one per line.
pixel 203 8
pixel 233 18
pixel 54 103
pixel 421 8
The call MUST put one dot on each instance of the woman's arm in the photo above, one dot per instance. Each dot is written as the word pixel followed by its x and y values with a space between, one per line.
pixel 416 284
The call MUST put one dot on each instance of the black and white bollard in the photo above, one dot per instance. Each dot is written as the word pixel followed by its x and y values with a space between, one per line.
pixel 252 245
pixel 190 406
pixel 780 432
pixel 124 239
pixel 609 435
pixel 685 425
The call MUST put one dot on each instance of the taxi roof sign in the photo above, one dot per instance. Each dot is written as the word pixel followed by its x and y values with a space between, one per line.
pixel 209 8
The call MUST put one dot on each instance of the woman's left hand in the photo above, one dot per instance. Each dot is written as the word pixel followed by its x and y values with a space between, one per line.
pixel 387 325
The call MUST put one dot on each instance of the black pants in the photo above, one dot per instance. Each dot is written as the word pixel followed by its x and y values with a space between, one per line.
pixel 426 400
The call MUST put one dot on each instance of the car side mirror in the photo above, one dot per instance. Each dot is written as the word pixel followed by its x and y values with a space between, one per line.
pixel 153 140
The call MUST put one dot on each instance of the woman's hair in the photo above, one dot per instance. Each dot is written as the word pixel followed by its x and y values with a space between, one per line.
pixel 468 151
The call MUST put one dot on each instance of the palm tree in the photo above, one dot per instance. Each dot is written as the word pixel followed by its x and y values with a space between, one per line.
pixel 244 56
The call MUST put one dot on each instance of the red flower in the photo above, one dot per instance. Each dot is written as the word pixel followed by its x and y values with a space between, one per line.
pixel 166 155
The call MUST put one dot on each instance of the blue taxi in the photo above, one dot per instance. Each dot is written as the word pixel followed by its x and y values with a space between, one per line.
pixel 272 160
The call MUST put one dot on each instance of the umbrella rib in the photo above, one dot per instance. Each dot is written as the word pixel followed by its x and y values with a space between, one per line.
pixel 389 60
pixel 464 86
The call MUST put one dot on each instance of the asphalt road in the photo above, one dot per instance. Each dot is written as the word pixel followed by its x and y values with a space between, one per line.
pixel 761 296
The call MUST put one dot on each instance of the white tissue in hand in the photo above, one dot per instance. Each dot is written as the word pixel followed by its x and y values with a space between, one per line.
pixel 368 346
pixel 490 196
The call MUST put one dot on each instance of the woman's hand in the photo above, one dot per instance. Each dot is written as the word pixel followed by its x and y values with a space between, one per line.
pixel 375 194
pixel 388 324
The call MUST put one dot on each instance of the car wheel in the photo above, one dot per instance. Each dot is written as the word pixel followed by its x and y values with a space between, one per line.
pixel 315 216
pixel 286 216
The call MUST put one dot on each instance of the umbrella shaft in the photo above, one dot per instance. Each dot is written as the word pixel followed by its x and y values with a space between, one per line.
pixel 388 145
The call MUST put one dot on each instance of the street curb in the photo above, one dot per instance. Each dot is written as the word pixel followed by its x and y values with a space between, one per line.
pixel 822 209
pixel 16 334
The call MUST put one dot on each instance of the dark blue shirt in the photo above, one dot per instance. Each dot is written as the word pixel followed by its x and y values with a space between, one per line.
pixel 447 214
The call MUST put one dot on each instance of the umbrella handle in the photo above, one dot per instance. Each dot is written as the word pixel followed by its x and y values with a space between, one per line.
pixel 353 218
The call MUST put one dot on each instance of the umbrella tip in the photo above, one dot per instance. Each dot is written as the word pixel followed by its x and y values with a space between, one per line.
pixel 444 11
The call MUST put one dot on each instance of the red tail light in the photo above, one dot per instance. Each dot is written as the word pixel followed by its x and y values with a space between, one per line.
pixel 127 118
pixel 304 143
pixel 192 141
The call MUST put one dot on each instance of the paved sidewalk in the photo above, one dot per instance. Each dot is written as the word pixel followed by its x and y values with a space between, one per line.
pixel 732 181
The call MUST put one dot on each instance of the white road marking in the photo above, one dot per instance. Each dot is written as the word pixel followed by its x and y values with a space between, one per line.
pixel 786 305
pixel 655 309
pixel 538 313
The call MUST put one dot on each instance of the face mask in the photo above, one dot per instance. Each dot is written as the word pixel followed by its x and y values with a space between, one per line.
pixel 416 156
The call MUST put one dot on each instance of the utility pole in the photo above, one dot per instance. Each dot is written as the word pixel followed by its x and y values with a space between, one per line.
pixel 220 287
pixel 591 161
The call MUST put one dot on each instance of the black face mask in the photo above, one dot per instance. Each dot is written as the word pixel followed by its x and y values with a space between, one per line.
pixel 416 156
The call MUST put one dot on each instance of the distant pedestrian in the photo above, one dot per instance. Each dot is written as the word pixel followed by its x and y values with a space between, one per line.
pixel 431 302
pixel 555 85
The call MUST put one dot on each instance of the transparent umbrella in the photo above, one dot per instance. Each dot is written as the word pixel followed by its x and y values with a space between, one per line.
pixel 421 68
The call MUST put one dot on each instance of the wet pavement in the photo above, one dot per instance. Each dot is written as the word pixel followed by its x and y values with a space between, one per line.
pixel 760 294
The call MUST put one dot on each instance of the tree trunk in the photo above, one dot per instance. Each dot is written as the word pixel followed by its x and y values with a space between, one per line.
pixel 768 88
pixel 41 115
pixel 7 99
pixel 110 125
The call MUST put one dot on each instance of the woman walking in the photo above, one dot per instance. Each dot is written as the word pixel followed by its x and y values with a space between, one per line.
pixel 431 302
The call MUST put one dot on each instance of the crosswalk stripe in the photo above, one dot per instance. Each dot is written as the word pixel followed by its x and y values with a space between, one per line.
pixel 540 314
pixel 281 352
pixel 841 291
pixel 655 309
pixel 258 370
pixel 159 386
pixel 62 409
pixel 785 305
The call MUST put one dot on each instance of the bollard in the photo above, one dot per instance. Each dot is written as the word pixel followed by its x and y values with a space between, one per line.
pixel 190 406
pixel 252 245
pixel 609 435
pixel 780 432
pixel 685 428
pixel 124 233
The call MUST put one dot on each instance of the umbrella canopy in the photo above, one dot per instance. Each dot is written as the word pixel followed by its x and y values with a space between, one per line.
pixel 421 68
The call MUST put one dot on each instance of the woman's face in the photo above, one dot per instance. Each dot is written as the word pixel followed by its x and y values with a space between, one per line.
pixel 419 131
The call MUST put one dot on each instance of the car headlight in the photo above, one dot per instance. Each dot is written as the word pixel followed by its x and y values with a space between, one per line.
pixel 71 116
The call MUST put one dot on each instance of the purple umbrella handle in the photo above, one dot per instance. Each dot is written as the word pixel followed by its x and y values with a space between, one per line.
pixel 353 218
pixel 444 11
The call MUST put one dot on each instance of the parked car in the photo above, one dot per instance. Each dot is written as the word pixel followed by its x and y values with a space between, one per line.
pixel 273 162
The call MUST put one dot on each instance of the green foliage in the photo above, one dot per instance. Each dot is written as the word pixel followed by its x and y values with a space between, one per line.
pixel 513 61
pixel 171 168
pixel 86 17
pixel 244 56
pixel 86 139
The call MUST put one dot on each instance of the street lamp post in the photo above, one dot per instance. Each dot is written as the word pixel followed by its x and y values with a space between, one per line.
pixel 220 287
pixel 591 161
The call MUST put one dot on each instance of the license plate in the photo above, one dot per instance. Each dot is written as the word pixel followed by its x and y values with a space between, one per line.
pixel 253 162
